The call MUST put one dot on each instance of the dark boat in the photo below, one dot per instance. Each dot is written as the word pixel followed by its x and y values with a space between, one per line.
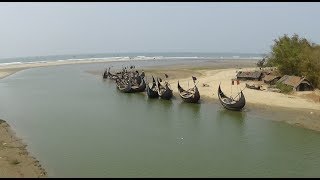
pixel 164 91
pixel 123 86
pixel 139 88
pixel 191 95
pixel 105 74
pixel 138 79
pixel 231 104
pixel 112 76
pixel 153 91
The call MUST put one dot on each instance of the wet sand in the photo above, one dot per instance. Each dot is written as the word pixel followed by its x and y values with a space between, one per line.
pixel 15 161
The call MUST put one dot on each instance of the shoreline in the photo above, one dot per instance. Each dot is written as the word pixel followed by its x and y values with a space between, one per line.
pixel 307 113
pixel 213 77
pixel 211 73
pixel 303 112
pixel 15 160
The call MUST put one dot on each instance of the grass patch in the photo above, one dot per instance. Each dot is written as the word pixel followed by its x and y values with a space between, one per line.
pixel 284 88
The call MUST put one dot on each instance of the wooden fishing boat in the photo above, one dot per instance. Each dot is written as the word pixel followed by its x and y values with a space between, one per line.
pixel 153 91
pixel 191 95
pixel 124 86
pixel 230 103
pixel 105 74
pixel 139 88
pixel 164 91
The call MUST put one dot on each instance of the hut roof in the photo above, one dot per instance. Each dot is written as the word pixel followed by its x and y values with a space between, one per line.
pixel 270 77
pixel 249 74
pixel 292 80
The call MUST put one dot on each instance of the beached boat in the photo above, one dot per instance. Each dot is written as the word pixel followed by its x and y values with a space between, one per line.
pixel 123 86
pixel 112 76
pixel 105 74
pixel 253 86
pixel 153 91
pixel 139 88
pixel 230 103
pixel 138 78
pixel 164 91
pixel 191 95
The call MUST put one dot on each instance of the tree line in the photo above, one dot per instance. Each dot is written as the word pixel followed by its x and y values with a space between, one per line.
pixel 295 56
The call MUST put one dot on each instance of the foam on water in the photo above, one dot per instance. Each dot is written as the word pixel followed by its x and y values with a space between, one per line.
pixel 126 58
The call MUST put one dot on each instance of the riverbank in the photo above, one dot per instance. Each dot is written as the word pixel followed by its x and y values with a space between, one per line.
pixel 213 77
pixel 15 161
pixel 213 74
pixel 306 112
pixel 210 73
pixel 303 108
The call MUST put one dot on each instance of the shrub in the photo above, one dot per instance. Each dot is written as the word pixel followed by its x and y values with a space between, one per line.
pixel 284 88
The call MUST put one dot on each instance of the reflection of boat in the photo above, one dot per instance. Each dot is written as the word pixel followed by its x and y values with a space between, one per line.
pixel 190 109
pixel 230 103
pixel 153 91
pixel 191 95
pixel 232 120
pixel 236 115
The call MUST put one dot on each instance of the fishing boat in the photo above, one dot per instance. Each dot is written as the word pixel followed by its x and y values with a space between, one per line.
pixel 230 103
pixel 191 95
pixel 164 91
pixel 153 91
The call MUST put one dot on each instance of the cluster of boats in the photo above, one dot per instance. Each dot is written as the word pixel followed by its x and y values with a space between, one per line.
pixel 129 80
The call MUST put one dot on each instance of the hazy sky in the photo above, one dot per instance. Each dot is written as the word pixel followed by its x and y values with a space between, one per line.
pixel 32 29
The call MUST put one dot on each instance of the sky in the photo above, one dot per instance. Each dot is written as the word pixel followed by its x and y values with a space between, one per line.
pixel 49 28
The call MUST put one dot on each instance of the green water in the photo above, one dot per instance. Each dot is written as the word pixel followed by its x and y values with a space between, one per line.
pixel 78 125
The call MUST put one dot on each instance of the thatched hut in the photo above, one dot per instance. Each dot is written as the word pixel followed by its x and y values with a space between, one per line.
pixel 270 79
pixel 249 75
pixel 297 83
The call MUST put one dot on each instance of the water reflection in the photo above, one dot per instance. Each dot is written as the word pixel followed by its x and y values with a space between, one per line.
pixel 157 103
pixel 166 104
pixel 191 109
pixel 225 116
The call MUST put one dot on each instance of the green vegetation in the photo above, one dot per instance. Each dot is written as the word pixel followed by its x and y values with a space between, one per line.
pixel 296 56
pixel 284 88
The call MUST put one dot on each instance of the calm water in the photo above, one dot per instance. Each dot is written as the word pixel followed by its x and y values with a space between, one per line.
pixel 78 125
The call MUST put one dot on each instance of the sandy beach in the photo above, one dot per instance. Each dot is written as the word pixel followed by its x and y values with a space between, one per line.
pixel 214 77
pixel 302 107
pixel 15 161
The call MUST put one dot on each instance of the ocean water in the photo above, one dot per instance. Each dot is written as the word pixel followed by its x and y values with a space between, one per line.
pixel 131 57
pixel 78 125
